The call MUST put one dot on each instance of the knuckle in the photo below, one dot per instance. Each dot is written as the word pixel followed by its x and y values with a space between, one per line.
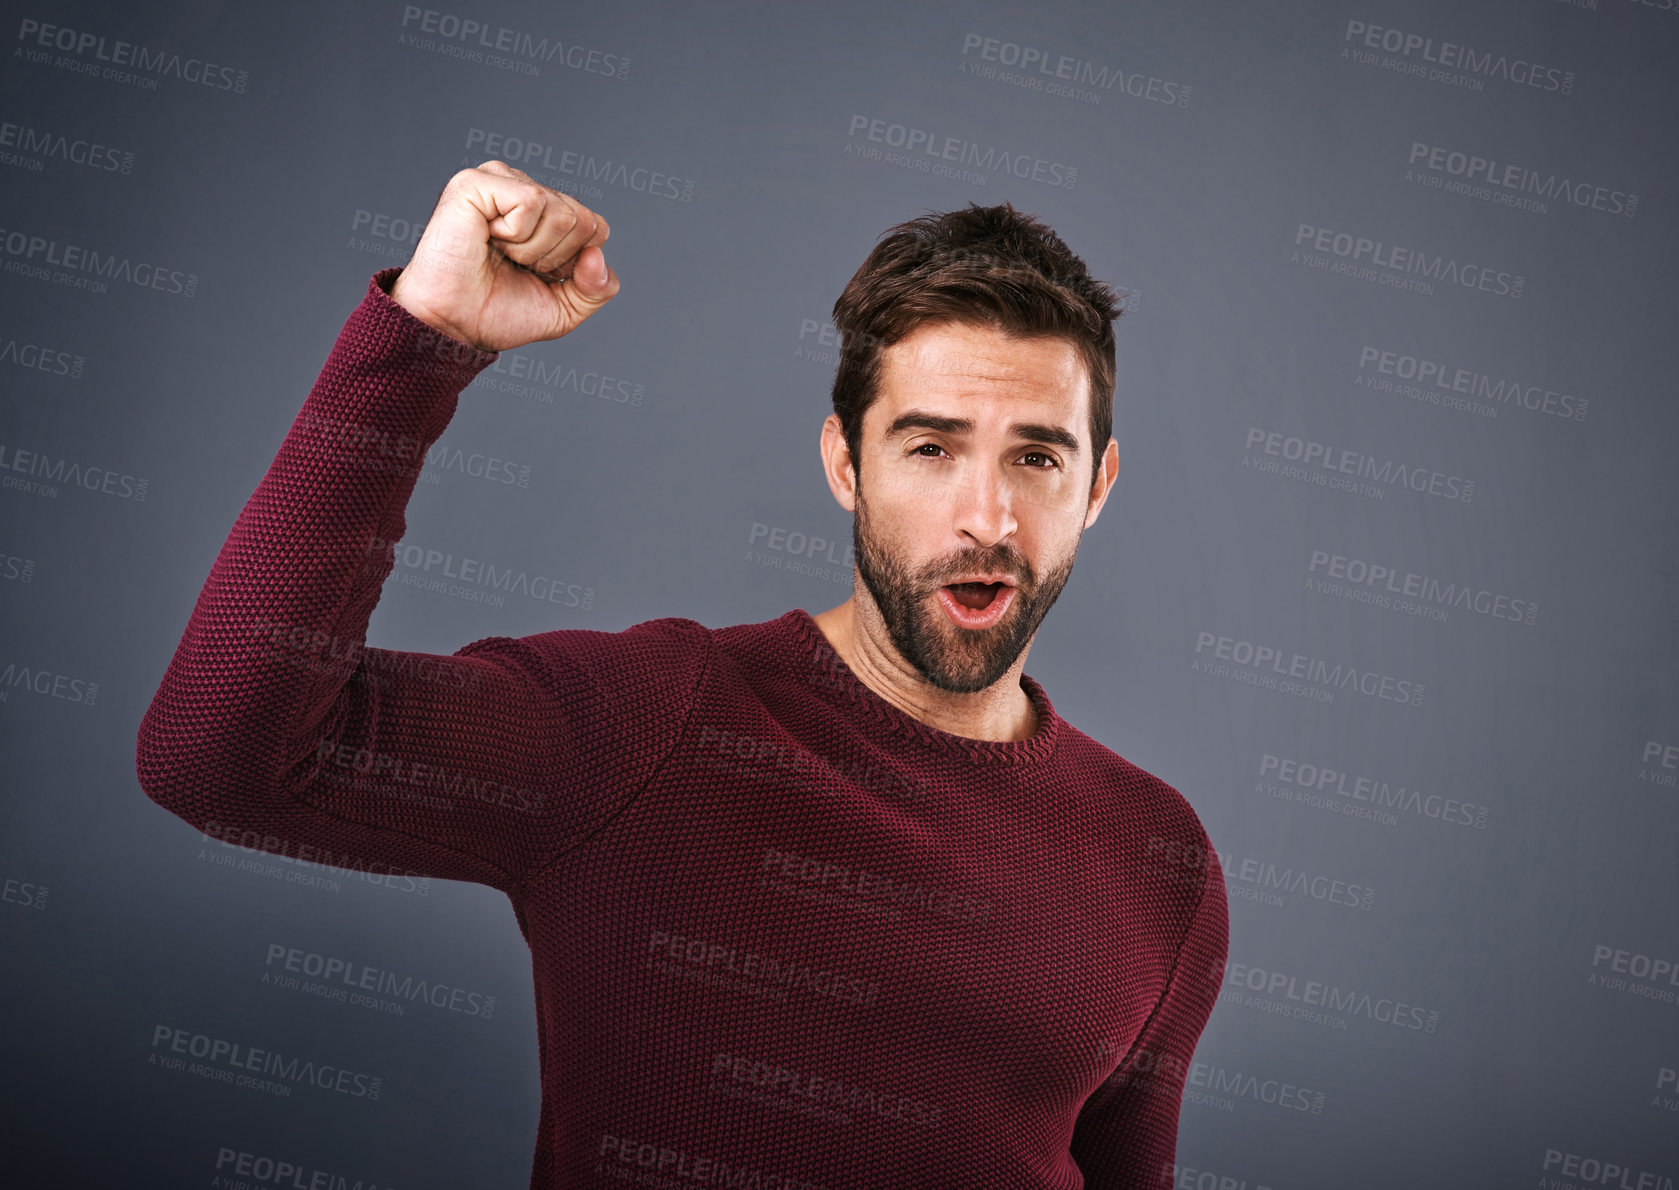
pixel 530 199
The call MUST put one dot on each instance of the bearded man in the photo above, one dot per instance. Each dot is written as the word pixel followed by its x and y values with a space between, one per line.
pixel 820 901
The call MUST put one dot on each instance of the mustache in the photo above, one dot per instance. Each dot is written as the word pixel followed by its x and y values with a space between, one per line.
pixel 1019 576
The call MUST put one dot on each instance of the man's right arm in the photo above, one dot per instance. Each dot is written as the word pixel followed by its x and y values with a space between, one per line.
pixel 276 722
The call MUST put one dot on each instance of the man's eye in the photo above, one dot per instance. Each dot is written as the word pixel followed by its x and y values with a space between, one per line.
pixel 1038 454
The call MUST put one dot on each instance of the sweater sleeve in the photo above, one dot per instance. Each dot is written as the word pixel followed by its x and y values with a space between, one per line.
pixel 277 726
pixel 1126 1134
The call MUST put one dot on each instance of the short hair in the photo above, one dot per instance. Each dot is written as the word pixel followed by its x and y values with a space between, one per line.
pixel 992 267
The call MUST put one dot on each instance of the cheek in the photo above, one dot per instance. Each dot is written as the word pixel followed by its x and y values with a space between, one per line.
pixel 913 490
pixel 908 513
pixel 1053 548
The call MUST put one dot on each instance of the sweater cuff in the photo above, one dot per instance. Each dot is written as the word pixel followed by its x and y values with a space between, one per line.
pixel 452 361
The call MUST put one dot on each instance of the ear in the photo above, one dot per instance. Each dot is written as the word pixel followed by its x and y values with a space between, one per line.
pixel 837 464
pixel 1105 475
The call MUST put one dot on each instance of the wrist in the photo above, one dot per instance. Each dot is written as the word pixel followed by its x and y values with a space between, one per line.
pixel 419 310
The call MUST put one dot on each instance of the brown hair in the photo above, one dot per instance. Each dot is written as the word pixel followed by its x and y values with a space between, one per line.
pixel 994 267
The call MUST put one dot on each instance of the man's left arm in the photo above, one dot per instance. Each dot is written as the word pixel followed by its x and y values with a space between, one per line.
pixel 1126 1134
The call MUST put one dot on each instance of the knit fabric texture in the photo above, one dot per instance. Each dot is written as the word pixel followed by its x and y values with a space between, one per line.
pixel 784 934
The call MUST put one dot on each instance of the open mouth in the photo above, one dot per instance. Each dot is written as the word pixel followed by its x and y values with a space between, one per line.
pixel 974 595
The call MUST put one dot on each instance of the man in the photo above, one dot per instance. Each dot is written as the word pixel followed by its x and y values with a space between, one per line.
pixel 828 901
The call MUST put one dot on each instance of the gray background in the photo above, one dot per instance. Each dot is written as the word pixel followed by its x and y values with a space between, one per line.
pixel 118 918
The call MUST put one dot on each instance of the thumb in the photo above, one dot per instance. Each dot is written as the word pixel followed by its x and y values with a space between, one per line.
pixel 591 279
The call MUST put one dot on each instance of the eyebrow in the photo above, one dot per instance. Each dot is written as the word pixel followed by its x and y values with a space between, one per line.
pixel 1030 430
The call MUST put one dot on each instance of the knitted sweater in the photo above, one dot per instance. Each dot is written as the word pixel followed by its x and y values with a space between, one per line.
pixel 784 934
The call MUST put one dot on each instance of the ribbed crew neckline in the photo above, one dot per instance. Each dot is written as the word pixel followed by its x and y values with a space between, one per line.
pixel 823 659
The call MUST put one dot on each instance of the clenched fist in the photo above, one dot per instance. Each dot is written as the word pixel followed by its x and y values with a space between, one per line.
pixel 506 261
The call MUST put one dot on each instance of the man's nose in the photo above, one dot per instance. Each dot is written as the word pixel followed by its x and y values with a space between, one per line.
pixel 985 507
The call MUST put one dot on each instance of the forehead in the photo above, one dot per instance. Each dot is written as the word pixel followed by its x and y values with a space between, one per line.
pixel 963 361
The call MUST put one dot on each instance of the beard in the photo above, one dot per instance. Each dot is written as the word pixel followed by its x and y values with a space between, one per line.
pixel 960 660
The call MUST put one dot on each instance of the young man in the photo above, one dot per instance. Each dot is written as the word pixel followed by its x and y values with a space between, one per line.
pixel 828 901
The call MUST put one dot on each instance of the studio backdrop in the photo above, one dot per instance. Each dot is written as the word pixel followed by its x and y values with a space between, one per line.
pixel 1386 585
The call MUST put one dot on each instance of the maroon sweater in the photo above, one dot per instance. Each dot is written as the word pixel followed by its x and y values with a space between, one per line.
pixel 784 934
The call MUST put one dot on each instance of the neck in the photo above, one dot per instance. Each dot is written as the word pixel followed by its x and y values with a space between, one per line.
pixel 1001 712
